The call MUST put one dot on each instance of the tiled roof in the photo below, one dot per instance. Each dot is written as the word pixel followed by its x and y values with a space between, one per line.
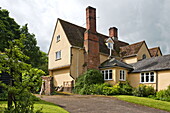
pixel 154 51
pixel 75 35
pixel 152 64
pixel 114 63
pixel 130 50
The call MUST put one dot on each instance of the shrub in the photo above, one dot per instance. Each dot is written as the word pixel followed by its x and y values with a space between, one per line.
pixel 84 82
pixel 143 91
pixel 124 88
pixel 164 94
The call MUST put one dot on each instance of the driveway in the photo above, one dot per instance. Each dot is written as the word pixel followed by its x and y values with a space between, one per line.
pixel 97 104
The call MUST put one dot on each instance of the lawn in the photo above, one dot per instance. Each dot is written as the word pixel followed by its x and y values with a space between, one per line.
pixel 47 107
pixel 146 102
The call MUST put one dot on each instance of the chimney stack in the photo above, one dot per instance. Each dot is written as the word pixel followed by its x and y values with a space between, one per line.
pixel 91 41
pixel 113 33
pixel 91 19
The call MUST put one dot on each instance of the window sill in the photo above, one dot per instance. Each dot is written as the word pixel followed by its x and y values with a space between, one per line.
pixel 57 59
pixel 122 80
pixel 57 41
pixel 108 79
pixel 147 82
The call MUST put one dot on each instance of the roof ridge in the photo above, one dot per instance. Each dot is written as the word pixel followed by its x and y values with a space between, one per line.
pixel 134 44
pixel 70 23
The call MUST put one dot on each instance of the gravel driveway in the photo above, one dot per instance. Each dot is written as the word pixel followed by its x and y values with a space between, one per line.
pixel 97 104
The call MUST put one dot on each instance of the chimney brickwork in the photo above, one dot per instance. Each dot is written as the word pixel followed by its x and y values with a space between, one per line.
pixel 91 40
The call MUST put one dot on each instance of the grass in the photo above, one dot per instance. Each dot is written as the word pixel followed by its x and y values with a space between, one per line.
pixel 47 107
pixel 146 102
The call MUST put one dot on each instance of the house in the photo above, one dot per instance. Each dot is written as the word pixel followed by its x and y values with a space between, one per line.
pixel 75 49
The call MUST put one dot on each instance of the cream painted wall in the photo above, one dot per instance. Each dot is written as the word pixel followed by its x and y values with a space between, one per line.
pixel 134 79
pixel 163 79
pixel 130 60
pixel 103 58
pixel 62 45
pixel 77 62
pixel 143 50
pixel 60 76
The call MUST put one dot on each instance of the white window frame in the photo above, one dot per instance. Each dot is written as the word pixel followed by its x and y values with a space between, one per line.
pixel 149 77
pixel 108 74
pixel 110 45
pixel 123 74
pixel 58 55
pixel 58 38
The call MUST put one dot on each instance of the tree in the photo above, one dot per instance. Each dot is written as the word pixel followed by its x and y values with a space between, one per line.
pixel 22 77
pixel 10 30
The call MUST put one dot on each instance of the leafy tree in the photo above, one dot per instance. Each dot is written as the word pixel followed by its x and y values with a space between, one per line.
pixel 10 30
pixel 22 77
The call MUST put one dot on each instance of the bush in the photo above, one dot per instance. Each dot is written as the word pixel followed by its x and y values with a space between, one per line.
pixel 164 94
pixel 3 96
pixel 89 78
pixel 143 91
pixel 124 88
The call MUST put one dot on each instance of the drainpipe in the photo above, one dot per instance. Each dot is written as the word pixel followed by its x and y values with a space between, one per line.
pixel 156 80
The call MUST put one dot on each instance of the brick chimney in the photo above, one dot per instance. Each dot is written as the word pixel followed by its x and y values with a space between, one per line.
pixel 113 33
pixel 91 40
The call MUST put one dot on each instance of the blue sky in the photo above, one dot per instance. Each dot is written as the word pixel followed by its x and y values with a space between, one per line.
pixel 136 20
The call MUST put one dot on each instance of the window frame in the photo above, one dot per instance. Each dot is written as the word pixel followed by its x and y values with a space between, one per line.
pixel 56 55
pixel 150 77
pixel 58 38
pixel 110 45
pixel 109 71
pixel 122 75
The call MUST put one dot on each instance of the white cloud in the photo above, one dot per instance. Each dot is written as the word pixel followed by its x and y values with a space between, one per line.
pixel 136 19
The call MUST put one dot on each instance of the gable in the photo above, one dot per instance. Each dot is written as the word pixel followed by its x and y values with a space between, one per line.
pixel 143 51
pixel 155 52
pixel 63 45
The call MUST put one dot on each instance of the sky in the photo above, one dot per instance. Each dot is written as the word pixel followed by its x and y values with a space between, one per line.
pixel 136 20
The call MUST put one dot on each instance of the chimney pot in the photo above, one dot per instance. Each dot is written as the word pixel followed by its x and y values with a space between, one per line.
pixel 113 33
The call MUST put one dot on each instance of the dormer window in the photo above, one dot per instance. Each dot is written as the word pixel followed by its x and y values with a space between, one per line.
pixel 110 45
pixel 58 38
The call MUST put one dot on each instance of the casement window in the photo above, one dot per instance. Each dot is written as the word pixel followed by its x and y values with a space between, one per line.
pixel 122 75
pixel 147 77
pixel 58 55
pixel 107 74
pixel 110 45
pixel 58 38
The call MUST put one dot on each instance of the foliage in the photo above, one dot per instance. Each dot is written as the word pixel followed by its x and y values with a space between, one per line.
pixel 10 30
pixel 90 77
pixel 3 96
pixel 164 94
pixel 124 88
pixel 146 102
pixel 22 78
pixel 143 91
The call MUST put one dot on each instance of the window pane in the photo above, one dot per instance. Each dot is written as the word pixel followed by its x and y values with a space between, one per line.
pixel 120 74
pixel 106 74
pixel 152 78
pixel 152 73
pixel 110 74
pixel 147 78
pixel 142 78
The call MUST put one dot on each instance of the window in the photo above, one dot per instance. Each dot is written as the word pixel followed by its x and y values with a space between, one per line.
pixel 58 38
pixel 122 75
pixel 58 55
pixel 110 45
pixel 143 56
pixel 107 74
pixel 148 77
